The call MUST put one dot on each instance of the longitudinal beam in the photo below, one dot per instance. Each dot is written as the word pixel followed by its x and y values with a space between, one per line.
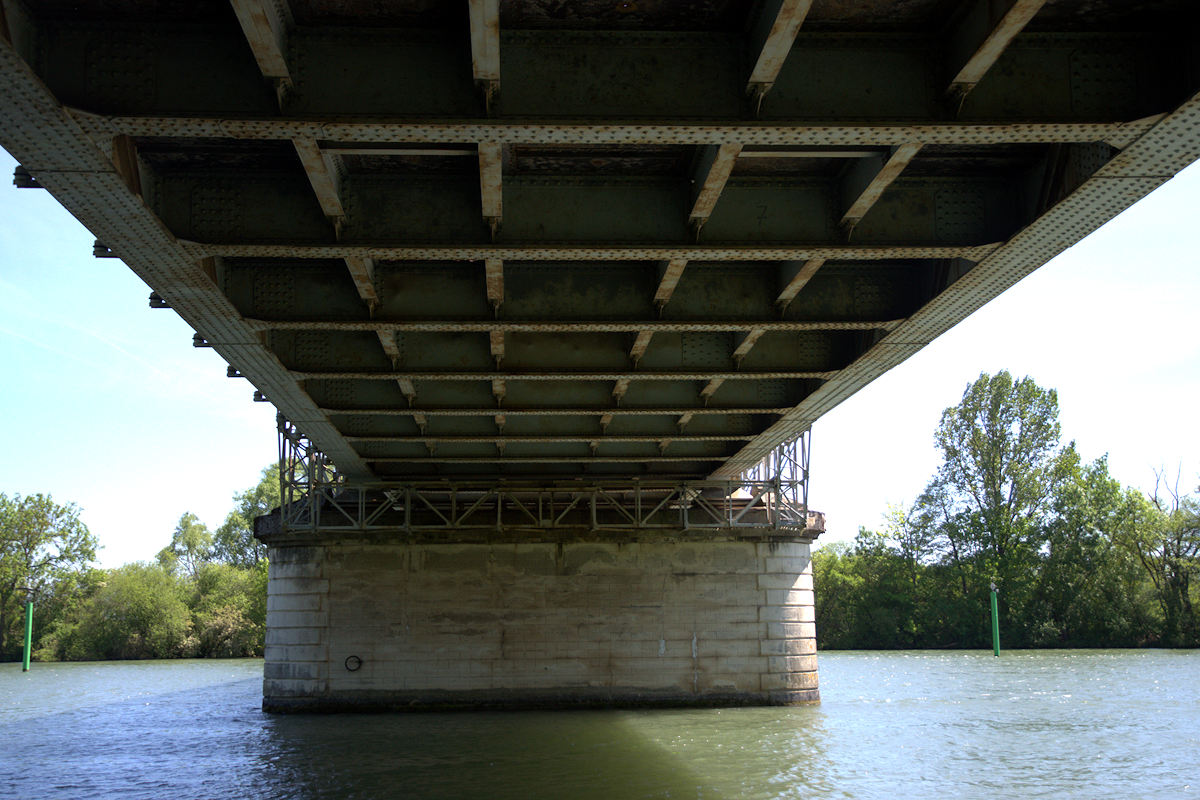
pixel 558 326
pixel 543 439
pixel 531 252
pixel 501 459
pixel 567 376
pixel 603 411
pixel 1118 133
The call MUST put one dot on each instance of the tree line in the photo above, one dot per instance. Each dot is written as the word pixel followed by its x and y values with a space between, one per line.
pixel 204 595
pixel 1078 559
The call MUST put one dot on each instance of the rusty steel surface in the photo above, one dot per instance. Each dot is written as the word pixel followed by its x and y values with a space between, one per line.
pixel 513 239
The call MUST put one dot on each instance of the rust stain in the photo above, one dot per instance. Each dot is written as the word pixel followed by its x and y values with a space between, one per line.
pixel 639 345
pixel 323 180
pixel 747 342
pixel 712 182
pixel 491 181
pixel 669 280
pixel 494 279
pixel 1011 22
pixel 778 41
pixel 888 173
pixel 802 276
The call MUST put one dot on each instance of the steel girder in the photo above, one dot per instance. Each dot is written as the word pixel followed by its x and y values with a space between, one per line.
pixel 567 250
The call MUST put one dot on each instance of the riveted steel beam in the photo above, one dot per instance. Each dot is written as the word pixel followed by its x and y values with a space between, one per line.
pixel 565 376
pixel 548 438
pixel 595 171
pixel 501 459
pixel 601 412
pixel 660 252
pixel 546 326
pixel 582 131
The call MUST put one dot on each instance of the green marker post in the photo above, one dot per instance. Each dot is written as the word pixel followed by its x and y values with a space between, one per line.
pixel 28 632
pixel 995 623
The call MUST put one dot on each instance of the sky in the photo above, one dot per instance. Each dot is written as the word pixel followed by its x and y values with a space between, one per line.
pixel 105 403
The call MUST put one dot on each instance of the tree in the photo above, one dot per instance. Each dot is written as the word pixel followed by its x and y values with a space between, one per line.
pixel 134 611
pixel 837 587
pixel 234 542
pixel 1089 589
pixel 1001 466
pixel 190 548
pixel 1166 539
pixel 41 542
pixel 229 611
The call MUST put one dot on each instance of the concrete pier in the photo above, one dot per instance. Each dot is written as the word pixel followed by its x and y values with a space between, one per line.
pixel 354 623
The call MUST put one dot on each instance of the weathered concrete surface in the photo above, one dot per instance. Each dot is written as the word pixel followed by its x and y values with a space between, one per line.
pixel 539 624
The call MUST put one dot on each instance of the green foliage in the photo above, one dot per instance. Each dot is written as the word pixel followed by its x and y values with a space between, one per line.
pixel 205 596
pixel 190 548
pixel 134 611
pixel 1080 561
pixel 229 614
pixel 41 544
pixel 836 596
pixel 1164 534
pixel 234 542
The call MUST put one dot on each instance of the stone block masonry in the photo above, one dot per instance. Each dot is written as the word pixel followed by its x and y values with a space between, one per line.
pixel 353 624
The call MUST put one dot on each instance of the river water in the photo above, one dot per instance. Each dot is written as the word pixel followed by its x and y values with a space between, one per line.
pixel 1110 723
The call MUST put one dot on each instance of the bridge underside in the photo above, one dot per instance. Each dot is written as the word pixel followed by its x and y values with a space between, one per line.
pixel 504 249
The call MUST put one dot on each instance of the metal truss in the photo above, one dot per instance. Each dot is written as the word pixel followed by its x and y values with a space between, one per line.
pixel 787 466
pixel 315 498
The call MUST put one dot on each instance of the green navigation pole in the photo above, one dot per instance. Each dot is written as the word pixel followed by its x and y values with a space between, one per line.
pixel 995 622
pixel 28 627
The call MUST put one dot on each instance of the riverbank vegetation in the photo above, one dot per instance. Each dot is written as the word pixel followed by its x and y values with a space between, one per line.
pixel 204 595
pixel 1078 559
